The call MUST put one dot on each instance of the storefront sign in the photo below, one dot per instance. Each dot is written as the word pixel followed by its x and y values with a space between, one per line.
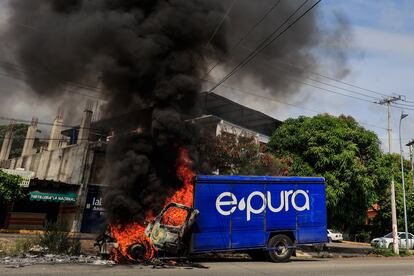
pixel 53 197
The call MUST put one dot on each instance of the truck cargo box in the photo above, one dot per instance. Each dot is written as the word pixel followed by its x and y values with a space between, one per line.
pixel 244 213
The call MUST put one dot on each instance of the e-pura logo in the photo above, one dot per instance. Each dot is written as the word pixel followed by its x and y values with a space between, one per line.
pixel 287 199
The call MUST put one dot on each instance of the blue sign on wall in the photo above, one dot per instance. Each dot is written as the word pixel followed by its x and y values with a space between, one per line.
pixel 94 220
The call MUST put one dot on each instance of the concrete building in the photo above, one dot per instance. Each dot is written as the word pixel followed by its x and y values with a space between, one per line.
pixel 67 179
pixel 7 142
pixel 30 138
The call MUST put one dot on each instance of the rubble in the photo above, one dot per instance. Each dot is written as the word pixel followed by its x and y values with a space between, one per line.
pixel 37 249
pixel 31 259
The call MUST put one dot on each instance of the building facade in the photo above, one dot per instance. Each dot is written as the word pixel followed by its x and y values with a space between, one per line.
pixel 66 180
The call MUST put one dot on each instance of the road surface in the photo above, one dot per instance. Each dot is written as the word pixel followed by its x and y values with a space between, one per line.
pixel 338 267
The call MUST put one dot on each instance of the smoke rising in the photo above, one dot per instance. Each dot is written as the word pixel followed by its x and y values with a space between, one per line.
pixel 304 45
pixel 150 55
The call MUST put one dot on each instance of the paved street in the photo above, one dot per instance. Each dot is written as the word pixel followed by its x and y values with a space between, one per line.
pixel 337 267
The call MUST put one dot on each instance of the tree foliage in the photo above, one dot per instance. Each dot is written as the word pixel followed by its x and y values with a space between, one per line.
pixel 344 153
pixel 241 154
pixel 391 166
pixel 9 187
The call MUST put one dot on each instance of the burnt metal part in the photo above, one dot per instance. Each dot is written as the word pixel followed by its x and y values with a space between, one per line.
pixel 104 242
pixel 171 239
pixel 137 251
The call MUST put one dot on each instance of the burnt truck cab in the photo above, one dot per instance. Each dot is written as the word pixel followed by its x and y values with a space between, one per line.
pixel 168 238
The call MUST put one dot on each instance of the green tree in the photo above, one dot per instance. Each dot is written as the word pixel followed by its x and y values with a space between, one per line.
pixel 343 152
pixel 238 154
pixel 9 187
pixel 391 165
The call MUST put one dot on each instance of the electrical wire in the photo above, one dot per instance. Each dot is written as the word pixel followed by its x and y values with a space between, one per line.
pixel 247 34
pixel 220 23
pixel 267 43
pixel 272 98
pixel 15 67
pixel 327 84
pixel 333 79
pixel 17 120
pixel 67 89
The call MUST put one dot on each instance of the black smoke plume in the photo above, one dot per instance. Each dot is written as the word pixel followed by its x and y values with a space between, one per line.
pixel 150 55
pixel 309 42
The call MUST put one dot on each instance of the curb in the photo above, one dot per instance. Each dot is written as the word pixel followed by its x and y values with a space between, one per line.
pixel 357 243
pixel 22 232
pixel 82 236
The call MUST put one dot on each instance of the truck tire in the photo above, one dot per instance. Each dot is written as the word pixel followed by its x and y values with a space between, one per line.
pixel 283 251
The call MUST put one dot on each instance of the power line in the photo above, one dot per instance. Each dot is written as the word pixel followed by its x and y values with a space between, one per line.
pixel 247 34
pixel 5 118
pixel 327 84
pixel 15 67
pixel 289 104
pixel 333 79
pixel 404 105
pixel 220 23
pixel 47 139
pixel 266 43
pixel 67 89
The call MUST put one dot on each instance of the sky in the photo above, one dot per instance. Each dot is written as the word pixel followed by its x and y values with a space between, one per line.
pixel 380 58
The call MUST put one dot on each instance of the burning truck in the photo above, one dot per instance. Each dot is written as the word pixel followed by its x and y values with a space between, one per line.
pixel 266 217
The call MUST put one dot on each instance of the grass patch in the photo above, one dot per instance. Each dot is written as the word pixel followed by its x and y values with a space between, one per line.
pixel 388 252
pixel 379 251
pixel 17 247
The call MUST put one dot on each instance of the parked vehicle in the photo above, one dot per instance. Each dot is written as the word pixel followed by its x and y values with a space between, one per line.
pixel 386 241
pixel 259 215
pixel 334 236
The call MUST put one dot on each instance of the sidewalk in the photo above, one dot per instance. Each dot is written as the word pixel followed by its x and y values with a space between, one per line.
pixel 344 249
pixel 11 233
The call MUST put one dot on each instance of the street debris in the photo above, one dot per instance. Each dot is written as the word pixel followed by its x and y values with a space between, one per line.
pixel 32 259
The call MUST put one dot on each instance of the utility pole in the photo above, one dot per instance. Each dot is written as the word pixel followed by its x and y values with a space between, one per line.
pixel 388 101
pixel 410 145
pixel 403 115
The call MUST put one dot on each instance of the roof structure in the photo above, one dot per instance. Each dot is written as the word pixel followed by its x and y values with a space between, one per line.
pixel 208 104
pixel 219 106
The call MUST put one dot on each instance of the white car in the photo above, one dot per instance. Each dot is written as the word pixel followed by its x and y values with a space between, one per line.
pixel 334 236
pixel 386 241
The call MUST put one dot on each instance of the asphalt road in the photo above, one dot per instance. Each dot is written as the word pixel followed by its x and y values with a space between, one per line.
pixel 337 267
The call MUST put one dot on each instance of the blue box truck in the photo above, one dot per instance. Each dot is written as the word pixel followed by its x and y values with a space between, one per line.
pixel 260 215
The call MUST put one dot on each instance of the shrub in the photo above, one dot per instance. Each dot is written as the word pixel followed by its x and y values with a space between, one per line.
pixel 388 252
pixel 55 238
pixel 58 241
pixel 17 247
pixel 75 247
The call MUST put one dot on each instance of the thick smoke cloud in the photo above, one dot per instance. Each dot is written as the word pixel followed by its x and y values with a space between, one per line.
pixel 305 45
pixel 149 55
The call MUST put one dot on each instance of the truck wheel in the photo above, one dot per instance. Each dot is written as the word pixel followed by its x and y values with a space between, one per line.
pixel 283 248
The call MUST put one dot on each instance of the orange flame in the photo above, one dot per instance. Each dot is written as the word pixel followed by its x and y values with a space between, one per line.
pixel 128 235
pixel 134 232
